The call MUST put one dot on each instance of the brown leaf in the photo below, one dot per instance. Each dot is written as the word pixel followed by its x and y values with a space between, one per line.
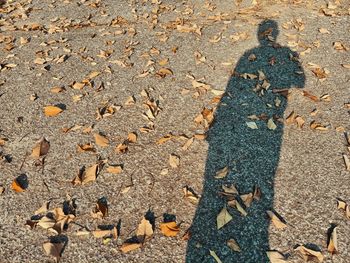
pixel 122 147
pixel 291 118
pixel 231 243
pixel 114 169
pixel 163 72
pixel 221 173
pixel 247 199
pixel 275 256
pixel 346 162
pixel 320 73
pixel 235 204
pixel 132 137
pixel 190 194
pixel 174 161
pixel 165 138
pixel 309 254
pixel 318 126
pixel 54 249
pixel 187 144
pixel 86 176
pixel 310 96
pixel 332 243
pixel 300 121
pixel 130 245
pixel 276 220
pixel 41 148
pixel 57 89
pixel 223 218
pixel 88 147
pixel 51 111
pixel 101 208
pixel 101 140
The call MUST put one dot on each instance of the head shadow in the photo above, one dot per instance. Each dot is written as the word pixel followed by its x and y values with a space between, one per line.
pixel 245 136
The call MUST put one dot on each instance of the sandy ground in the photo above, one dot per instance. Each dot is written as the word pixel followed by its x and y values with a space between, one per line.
pixel 310 176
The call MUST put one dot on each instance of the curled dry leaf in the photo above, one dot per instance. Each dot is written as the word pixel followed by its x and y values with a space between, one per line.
pixel 43 209
pixel 101 140
pixel 332 243
pixel 101 208
pixel 277 220
pixel 88 147
pixel 309 254
pixel 122 147
pixel 86 176
pixel 235 204
pixel 291 118
pixel 105 231
pixel 221 173
pixel 41 148
pixel 54 249
pixel 20 184
pixel 310 96
pixel 190 194
pixel 51 111
pixel 223 218
pixel 318 126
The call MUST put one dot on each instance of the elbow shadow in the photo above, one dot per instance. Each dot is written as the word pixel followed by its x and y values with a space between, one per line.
pixel 255 95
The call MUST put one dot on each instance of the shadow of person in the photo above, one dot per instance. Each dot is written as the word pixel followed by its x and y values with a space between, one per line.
pixel 255 95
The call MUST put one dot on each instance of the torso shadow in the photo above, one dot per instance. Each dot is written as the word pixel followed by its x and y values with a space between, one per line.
pixel 252 155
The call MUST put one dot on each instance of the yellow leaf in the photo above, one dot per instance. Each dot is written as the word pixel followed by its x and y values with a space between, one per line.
pixel 223 218
pixel 94 74
pixel 57 89
pixel 101 140
pixel 51 111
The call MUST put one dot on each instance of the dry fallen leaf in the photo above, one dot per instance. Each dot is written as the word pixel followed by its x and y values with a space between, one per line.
pixel 20 184
pixel 309 254
pixel 231 243
pixel 275 256
pixel 347 162
pixel 252 125
pixel 213 254
pixel 131 244
pixel 54 249
pixel 190 194
pixel 271 125
pixel 247 199
pixel 86 176
pixel 332 243
pixel 174 161
pixel 132 137
pixel 51 111
pixel 235 204
pixel 169 227
pixel 101 140
pixel 43 209
pixel 276 220
pixel 114 169
pixel 221 173
pixel 41 148
pixel 101 208
pixel 223 218
pixel 146 228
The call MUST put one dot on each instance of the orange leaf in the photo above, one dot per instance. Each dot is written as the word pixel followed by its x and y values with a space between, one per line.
pixel 169 229
pixel 51 111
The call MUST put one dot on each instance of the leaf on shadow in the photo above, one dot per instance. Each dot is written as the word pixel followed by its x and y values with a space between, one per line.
pixel 231 243
pixel 213 254
pixel 223 218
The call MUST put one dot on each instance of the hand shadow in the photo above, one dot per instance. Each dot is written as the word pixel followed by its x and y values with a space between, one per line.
pixel 257 87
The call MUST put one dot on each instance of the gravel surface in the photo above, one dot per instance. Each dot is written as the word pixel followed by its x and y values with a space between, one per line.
pixel 180 56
